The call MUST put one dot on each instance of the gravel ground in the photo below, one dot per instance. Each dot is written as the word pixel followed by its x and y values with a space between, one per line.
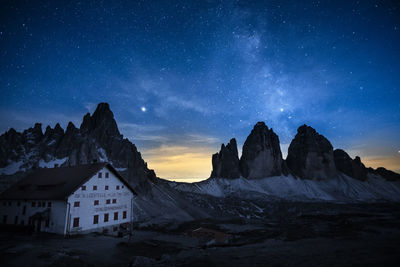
pixel 293 235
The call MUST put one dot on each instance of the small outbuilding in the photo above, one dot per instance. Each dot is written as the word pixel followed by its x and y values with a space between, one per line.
pixel 70 200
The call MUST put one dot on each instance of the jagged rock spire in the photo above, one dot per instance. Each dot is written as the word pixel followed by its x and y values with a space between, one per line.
pixel 226 162
pixel 262 156
pixel 351 167
pixel 310 155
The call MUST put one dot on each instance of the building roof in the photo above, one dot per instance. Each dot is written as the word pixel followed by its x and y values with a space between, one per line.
pixel 56 183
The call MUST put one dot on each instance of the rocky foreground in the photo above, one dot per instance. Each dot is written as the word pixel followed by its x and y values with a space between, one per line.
pixel 292 234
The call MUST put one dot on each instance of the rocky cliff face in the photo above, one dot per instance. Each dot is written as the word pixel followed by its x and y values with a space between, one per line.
pixel 351 167
pixel 310 155
pixel 261 155
pixel 226 162
pixel 386 174
pixel 98 138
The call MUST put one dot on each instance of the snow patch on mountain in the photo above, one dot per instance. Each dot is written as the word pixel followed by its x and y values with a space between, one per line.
pixel 52 163
pixel 11 168
pixel 340 189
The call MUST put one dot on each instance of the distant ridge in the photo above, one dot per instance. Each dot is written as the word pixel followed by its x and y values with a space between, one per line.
pixel 310 156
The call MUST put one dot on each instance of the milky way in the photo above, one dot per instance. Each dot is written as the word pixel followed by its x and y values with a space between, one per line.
pixel 184 76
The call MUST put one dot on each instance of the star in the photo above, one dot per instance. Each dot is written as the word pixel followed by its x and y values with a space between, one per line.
pixel 143 109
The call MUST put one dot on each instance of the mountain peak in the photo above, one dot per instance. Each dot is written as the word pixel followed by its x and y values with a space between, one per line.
pixel 102 119
pixel 310 155
pixel 262 156
pixel 226 162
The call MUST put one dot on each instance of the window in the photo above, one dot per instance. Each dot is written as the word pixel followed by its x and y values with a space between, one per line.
pixel 76 222
pixel 108 201
pixel 115 228
pixel 94 187
pixel 122 186
pixel 124 215
pixel 100 175
pixel 107 175
pixel 16 220
pixel 114 200
pixel 83 187
pixel 106 217
pixel 117 187
pixel 39 204
pixel 18 203
pixel 77 204
pixel 4 218
pixel 49 204
pixel 33 203
pixel 43 204
pixel 95 219
pixel 24 210
pixel 96 202
pixel 106 187
pixel 47 224
pixel 4 203
pixel 115 216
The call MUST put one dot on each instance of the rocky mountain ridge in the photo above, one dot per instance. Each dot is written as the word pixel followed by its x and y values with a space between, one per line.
pixel 97 139
pixel 310 156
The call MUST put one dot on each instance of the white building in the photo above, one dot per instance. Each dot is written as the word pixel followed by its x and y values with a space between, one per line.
pixel 70 200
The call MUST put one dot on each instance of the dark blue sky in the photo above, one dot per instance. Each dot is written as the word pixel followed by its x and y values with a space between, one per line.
pixel 184 76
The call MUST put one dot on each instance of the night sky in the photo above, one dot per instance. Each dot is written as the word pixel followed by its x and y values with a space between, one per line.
pixel 184 76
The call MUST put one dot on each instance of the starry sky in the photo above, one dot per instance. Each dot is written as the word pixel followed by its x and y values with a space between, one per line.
pixel 182 77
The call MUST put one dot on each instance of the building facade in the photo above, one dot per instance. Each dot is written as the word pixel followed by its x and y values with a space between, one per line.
pixel 70 200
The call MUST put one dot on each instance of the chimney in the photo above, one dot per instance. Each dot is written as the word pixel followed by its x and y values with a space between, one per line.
pixel 56 165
